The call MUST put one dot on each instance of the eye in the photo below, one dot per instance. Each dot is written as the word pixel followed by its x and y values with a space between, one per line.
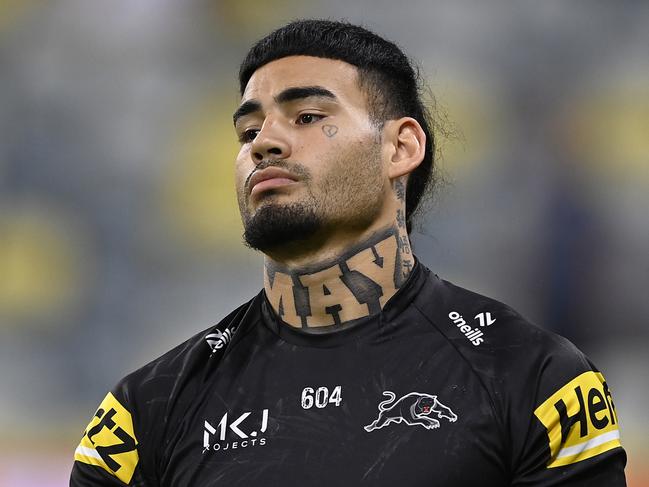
pixel 308 118
pixel 248 135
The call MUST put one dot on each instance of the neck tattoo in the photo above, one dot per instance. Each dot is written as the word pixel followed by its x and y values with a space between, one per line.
pixel 355 285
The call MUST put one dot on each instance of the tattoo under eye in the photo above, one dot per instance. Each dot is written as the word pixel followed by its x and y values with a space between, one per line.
pixel 330 130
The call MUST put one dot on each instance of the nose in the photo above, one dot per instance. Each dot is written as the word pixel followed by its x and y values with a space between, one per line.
pixel 271 142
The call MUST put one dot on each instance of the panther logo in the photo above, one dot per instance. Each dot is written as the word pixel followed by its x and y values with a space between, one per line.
pixel 413 409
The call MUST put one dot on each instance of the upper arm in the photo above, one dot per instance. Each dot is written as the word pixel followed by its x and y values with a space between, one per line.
pixel 109 452
pixel 570 430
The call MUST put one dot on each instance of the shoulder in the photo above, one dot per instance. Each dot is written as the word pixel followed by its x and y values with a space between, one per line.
pixel 160 377
pixel 167 385
pixel 492 335
pixel 551 401
pixel 516 360
pixel 135 415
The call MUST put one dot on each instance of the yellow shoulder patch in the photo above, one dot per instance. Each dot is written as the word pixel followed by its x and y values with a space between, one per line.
pixel 580 419
pixel 109 440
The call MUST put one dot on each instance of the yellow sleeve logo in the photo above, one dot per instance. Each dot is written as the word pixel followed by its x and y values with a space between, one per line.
pixel 580 419
pixel 109 440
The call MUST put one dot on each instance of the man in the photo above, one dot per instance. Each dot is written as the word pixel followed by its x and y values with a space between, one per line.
pixel 355 365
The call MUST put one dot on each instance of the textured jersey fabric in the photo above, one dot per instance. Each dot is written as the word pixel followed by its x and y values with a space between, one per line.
pixel 443 388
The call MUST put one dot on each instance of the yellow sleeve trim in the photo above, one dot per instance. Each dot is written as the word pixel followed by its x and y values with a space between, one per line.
pixel 580 420
pixel 109 440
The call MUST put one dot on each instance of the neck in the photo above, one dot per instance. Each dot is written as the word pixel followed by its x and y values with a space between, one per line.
pixel 336 291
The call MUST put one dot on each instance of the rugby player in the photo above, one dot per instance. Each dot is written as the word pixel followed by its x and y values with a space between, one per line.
pixel 355 365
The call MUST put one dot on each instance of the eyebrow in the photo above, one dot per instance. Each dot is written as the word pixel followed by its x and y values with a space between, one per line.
pixel 246 107
pixel 299 92
pixel 288 95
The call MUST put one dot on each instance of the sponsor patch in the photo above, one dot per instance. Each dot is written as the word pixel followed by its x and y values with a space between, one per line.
pixel 580 419
pixel 219 438
pixel 109 440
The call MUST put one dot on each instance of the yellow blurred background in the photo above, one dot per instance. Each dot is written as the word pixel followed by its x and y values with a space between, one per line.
pixel 119 229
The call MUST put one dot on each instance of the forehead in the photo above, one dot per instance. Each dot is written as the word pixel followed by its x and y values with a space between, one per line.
pixel 339 77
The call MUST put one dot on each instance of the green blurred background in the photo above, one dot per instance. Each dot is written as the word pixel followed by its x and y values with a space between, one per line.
pixel 119 232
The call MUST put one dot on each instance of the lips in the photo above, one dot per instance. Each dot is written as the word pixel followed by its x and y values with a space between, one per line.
pixel 269 178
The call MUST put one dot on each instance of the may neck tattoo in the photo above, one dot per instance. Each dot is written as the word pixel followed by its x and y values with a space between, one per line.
pixel 354 285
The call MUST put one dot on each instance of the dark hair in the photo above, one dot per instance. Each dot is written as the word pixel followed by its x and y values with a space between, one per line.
pixel 385 74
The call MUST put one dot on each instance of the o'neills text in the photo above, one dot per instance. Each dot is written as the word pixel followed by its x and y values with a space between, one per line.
pixel 473 334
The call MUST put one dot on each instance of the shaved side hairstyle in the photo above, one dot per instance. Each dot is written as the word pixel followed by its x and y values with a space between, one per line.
pixel 392 86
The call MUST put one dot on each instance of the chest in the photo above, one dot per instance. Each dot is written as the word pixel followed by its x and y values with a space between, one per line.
pixel 362 415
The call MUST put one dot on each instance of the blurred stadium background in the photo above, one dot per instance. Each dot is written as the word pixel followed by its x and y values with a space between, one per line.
pixel 119 233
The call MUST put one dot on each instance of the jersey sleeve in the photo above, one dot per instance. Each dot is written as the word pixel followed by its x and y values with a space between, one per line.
pixel 553 409
pixel 109 453
pixel 129 439
pixel 565 423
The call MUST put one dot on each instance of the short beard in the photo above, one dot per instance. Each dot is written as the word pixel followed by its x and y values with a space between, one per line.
pixel 273 226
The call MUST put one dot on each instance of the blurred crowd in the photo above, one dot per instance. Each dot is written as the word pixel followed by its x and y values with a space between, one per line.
pixel 119 229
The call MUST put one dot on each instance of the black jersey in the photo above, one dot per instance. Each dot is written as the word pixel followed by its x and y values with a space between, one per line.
pixel 443 388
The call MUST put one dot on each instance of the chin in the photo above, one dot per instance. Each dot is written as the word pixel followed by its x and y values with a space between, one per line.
pixel 273 225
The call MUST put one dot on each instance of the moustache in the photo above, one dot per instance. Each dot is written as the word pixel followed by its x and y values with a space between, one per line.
pixel 294 168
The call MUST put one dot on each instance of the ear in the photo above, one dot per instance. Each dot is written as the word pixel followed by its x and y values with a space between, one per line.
pixel 405 141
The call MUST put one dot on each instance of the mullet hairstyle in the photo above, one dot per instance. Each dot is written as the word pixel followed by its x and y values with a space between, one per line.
pixel 392 86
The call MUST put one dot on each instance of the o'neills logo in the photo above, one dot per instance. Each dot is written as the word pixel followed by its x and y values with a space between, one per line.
pixel 235 433
pixel 218 339
pixel 473 334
